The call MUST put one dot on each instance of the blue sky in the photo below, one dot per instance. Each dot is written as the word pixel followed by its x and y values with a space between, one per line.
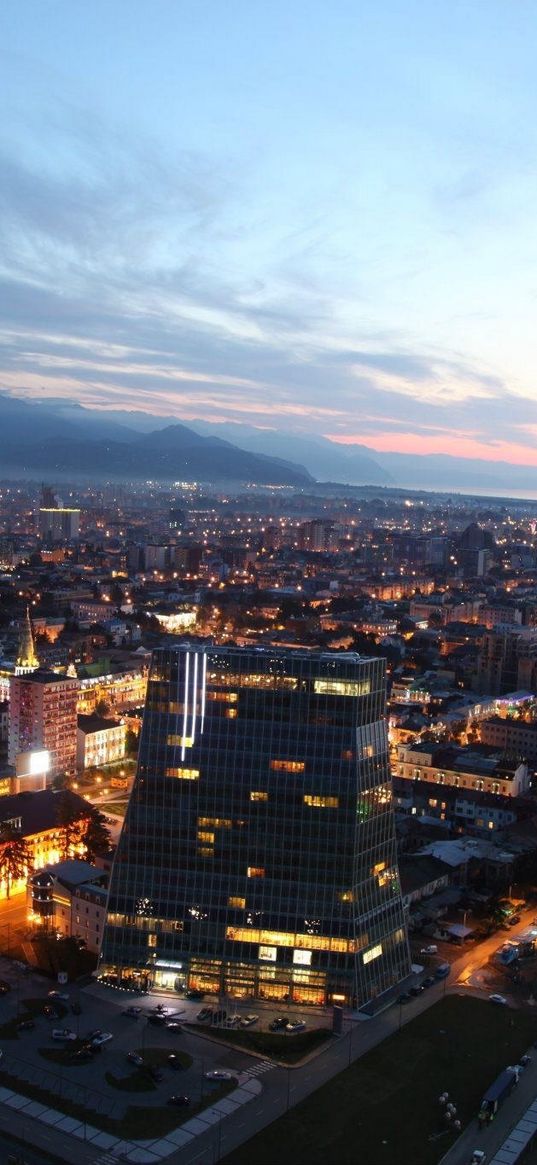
pixel 316 216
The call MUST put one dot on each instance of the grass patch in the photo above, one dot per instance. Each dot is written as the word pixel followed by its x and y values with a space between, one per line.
pixel 35 1007
pixel 459 1045
pixel 136 1081
pixel 158 1057
pixel 287 1048
pixel 117 808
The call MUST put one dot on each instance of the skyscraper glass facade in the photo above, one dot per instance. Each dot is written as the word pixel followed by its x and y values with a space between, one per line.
pixel 258 853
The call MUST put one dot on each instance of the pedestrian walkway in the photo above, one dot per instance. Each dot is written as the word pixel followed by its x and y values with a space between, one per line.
pixel 110 1149
pixel 260 1067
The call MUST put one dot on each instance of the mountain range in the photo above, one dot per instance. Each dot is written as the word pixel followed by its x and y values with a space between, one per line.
pixel 62 438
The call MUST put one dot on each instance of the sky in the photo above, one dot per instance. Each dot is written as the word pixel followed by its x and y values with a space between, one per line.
pixel 313 216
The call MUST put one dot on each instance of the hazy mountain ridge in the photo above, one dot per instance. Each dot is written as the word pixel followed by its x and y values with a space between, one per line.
pixel 34 438
pixel 62 436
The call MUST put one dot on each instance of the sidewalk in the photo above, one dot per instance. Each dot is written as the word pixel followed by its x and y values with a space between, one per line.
pixel 94 1144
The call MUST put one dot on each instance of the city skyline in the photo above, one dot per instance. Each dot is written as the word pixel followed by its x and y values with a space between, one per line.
pixel 317 219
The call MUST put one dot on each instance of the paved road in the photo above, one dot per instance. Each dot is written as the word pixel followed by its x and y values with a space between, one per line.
pixel 495 1134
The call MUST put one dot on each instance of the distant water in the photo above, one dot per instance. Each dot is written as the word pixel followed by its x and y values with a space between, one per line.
pixel 528 495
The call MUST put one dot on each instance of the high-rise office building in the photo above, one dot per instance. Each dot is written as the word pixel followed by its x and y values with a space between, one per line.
pixel 258 854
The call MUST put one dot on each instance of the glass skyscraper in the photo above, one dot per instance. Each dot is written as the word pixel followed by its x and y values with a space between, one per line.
pixel 258 856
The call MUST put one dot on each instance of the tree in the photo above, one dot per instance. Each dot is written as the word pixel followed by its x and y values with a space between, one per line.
pixel 102 708
pixel 14 856
pixel 96 837
pixel 72 823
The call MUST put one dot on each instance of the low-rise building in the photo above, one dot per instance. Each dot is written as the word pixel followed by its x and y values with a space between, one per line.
pixel 483 770
pixel 100 741
pixel 70 898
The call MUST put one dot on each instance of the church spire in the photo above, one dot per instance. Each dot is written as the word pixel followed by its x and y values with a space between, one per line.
pixel 27 660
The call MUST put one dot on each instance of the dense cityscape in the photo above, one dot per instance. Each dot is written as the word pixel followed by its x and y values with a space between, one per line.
pixel 332 814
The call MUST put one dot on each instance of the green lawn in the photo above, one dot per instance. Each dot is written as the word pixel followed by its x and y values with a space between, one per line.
pixel 384 1108
pixel 286 1048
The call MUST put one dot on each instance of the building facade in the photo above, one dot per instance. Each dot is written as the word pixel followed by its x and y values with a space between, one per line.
pixel 42 715
pixel 100 741
pixel 258 854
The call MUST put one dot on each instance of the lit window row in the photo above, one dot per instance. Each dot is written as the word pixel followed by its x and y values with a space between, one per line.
pixel 258 795
pixel 276 938
pixel 342 687
pixel 215 822
pixel 287 766
pixel 183 774
pixel 321 802
pixel 180 741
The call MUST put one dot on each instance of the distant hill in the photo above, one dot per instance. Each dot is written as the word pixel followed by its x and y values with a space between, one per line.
pixel 33 438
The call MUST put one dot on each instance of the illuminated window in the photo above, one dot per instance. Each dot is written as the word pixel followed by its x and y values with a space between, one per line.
pixel 258 795
pixel 491 825
pixel 180 741
pixel 205 851
pixel 342 687
pixel 238 903
pixel 302 958
pixel 380 866
pixel 268 954
pixel 222 697
pixel 372 953
pixel 346 896
pixel 321 802
pixel 287 766
pixel 151 940
pixel 214 822
pixel 255 872
pixel 184 774
pixel 205 835
pixel 347 754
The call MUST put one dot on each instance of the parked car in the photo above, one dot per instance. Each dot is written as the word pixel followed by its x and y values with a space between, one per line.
pixel 524 1061
pixel 295 1025
pixel 249 1020
pixel 217 1074
pixel 429 981
pixel 132 1011
pixel 514 920
pixel 233 1021
pixel 478 1157
pixel 194 994
pixel 279 1023
pixel 25 1025
pixel 205 1014
pixel 404 998
pixel 432 949
pixel 179 1101
pixel 61 995
pixel 173 1025
pixel 499 999
pixel 135 1058
pixel 63 1033
pixel 101 1038
pixel 416 989
pixel 174 1061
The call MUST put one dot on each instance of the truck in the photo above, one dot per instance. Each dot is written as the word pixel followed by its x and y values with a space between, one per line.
pixel 496 1094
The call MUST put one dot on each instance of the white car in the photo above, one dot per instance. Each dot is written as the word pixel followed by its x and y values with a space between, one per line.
pixel 296 1025
pixel 432 949
pixel 249 1020
pixel 217 1074
pixel 102 1038
pixel 59 995
pixel 498 999
pixel 478 1157
pixel 233 1021
pixel 63 1033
